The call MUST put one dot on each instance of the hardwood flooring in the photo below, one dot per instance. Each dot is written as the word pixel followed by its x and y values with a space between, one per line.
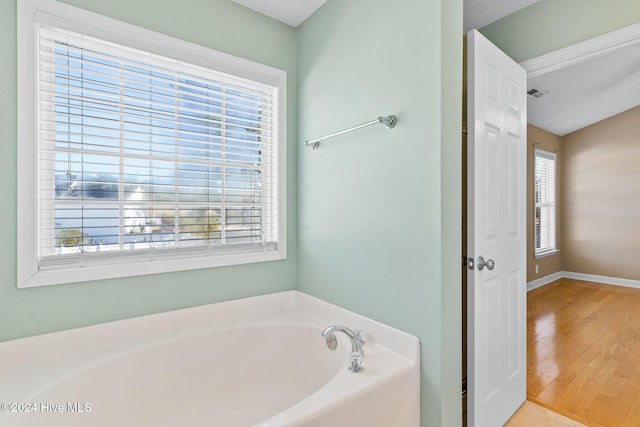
pixel 532 415
pixel 583 350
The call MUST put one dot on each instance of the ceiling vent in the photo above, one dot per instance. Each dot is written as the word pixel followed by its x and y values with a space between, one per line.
pixel 536 93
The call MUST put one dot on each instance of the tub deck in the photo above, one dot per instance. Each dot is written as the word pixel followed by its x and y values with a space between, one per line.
pixel 258 361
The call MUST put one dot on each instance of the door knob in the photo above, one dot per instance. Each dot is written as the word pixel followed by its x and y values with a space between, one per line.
pixel 488 263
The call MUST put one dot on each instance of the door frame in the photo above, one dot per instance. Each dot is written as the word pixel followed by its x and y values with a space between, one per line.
pixel 566 57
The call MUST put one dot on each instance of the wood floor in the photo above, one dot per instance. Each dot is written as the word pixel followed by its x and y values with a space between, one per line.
pixel 532 415
pixel 584 351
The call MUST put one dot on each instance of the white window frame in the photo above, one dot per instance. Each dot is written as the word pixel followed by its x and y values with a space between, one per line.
pixel 552 249
pixel 52 12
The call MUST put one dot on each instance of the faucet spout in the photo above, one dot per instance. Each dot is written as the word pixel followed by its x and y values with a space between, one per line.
pixel 357 353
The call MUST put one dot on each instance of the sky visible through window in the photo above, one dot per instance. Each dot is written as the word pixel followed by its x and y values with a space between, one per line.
pixel 147 156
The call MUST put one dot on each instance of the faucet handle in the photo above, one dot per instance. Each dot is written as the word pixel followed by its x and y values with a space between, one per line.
pixel 356 354
pixel 356 362
pixel 332 341
pixel 362 341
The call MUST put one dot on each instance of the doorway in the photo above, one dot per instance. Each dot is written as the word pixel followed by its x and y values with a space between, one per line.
pixel 572 56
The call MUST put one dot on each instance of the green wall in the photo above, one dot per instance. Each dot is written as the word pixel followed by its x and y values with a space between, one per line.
pixel 379 210
pixel 378 227
pixel 553 24
pixel 219 24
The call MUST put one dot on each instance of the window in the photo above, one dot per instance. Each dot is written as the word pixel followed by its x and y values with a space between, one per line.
pixel 143 156
pixel 545 203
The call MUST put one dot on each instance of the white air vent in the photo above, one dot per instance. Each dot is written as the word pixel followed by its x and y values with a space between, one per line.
pixel 536 92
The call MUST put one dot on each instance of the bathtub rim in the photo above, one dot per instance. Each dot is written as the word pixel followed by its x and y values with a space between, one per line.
pixel 163 324
pixel 93 340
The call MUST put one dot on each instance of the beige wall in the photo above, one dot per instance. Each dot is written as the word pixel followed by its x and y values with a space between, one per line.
pixel 542 140
pixel 602 198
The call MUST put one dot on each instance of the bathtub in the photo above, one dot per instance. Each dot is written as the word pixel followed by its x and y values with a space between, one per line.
pixel 258 361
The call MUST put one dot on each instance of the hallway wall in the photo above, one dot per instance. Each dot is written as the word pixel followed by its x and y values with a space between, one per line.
pixel 601 176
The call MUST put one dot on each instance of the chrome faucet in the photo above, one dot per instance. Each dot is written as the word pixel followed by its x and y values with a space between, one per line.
pixel 357 353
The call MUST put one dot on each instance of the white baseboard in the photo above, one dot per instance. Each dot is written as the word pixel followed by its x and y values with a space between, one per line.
pixel 544 280
pixel 602 279
pixel 581 276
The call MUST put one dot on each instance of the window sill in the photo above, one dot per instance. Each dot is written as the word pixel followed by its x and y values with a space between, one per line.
pixel 544 254
pixel 114 271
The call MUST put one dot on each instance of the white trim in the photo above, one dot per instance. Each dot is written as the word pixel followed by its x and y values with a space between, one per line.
pixel 27 263
pixel 546 253
pixel 97 272
pixel 581 52
pixel 76 19
pixel 73 18
pixel 616 281
pixel 544 280
pixel 547 155
pixel 602 279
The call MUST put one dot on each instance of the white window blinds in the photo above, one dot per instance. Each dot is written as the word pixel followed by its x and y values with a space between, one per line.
pixel 144 157
pixel 545 202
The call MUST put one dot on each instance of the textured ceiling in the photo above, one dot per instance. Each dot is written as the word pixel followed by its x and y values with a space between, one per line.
pixel 576 96
pixel 595 86
pixel 478 13
pixel 292 12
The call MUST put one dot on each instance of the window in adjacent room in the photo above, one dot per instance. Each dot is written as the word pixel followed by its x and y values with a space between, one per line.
pixel 545 203
pixel 141 153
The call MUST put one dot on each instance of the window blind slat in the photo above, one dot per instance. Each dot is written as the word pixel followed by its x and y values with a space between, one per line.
pixel 545 204
pixel 143 98
pixel 105 51
pixel 145 156
pixel 136 108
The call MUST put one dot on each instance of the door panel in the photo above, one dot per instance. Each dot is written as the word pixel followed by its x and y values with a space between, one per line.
pixel 496 231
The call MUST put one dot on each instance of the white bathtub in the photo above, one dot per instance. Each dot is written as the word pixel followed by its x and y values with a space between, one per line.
pixel 258 361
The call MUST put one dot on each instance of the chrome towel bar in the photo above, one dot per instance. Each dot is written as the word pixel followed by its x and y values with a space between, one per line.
pixel 389 122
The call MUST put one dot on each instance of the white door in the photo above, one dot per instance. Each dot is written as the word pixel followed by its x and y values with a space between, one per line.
pixel 497 134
